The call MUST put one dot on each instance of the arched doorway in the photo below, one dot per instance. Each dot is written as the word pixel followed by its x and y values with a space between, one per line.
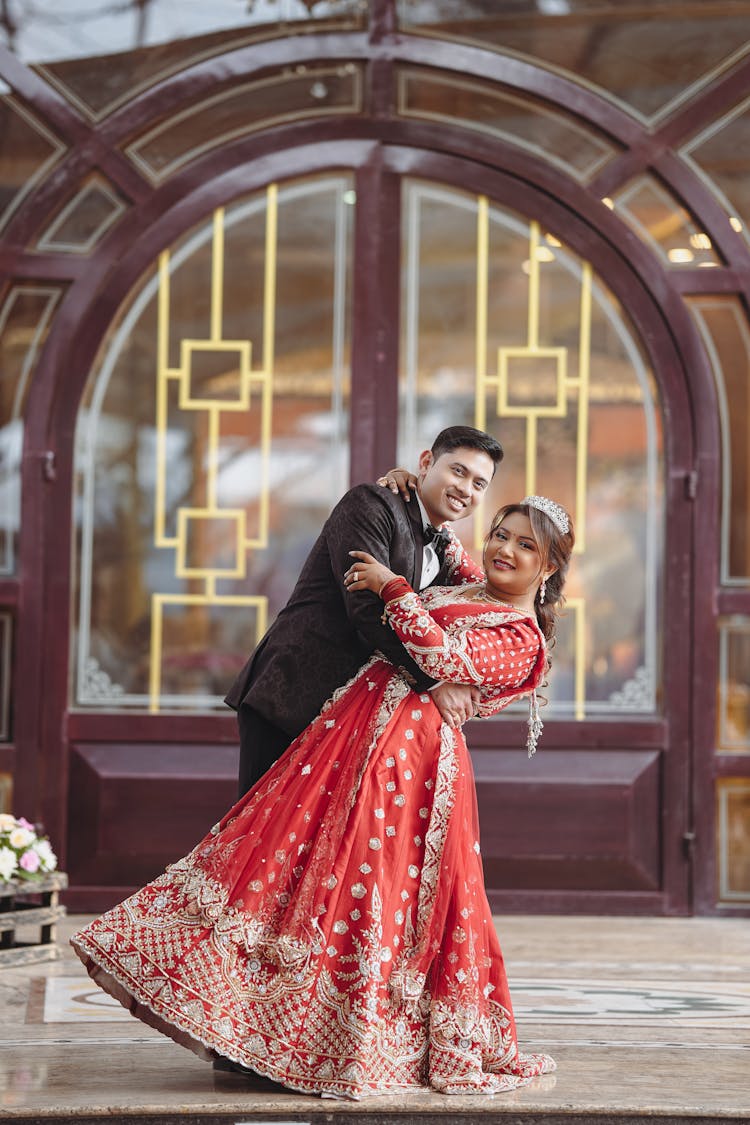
pixel 410 125
pixel 599 823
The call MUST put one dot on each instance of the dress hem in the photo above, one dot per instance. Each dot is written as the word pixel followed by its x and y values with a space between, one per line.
pixel 141 1010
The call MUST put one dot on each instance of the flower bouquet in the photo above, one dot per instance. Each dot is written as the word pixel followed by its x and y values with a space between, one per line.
pixel 24 853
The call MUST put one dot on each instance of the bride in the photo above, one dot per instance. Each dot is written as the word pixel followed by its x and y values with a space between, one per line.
pixel 332 931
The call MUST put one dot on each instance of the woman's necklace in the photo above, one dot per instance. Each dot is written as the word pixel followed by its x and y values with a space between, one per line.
pixel 481 593
pixel 484 594
pixel 487 594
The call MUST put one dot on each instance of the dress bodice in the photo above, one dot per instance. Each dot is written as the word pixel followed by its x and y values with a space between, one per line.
pixel 457 635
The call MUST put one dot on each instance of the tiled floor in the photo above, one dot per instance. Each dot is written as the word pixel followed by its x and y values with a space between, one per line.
pixel 644 1016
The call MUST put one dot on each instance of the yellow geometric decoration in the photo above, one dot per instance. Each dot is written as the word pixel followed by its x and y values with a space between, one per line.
pixel 557 409
pixel 254 392
pixel 533 355
pixel 192 516
pixel 577 606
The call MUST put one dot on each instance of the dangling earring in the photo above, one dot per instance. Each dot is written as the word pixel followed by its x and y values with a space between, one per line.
pixel 542 591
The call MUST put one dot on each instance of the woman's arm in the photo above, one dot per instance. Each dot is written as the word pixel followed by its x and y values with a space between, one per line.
pixel 500 654
pixel 462 570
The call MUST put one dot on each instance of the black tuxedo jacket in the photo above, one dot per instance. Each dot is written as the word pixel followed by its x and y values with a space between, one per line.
pixel 324 634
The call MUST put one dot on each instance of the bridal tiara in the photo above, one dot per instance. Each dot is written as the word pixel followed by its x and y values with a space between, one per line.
pixel 550 508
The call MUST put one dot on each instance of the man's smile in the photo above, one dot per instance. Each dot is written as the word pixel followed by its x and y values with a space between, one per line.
pixel 456 502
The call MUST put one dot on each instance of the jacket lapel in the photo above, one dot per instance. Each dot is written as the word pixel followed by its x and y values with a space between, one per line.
pixel 414 513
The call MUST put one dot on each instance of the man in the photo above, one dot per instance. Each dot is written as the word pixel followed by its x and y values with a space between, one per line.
pixel 324 634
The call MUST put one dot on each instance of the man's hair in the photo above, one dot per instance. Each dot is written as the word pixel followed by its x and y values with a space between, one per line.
pixel 466 437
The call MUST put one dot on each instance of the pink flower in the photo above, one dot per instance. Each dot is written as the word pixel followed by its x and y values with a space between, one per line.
pixel 23 822
pixel 29 861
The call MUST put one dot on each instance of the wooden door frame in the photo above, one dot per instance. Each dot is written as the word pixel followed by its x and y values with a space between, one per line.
pixel 397 149
pixel 380 146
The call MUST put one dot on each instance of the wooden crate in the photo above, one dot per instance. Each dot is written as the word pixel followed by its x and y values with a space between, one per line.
pixel 30 903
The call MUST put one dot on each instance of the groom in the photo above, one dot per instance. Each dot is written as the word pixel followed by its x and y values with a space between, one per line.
pixel 324 634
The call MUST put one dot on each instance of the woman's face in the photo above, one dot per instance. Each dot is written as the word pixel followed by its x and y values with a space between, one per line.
pixel 511 558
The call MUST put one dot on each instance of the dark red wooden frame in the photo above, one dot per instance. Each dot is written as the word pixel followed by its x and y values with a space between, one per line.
pixel 380 148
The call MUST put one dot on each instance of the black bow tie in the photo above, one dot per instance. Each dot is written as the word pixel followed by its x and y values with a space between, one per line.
pixel 439 537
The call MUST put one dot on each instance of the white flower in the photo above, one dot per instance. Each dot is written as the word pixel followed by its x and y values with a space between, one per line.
pixel 8 863
pixel 20 838
pixel 46 855
pixel 23 854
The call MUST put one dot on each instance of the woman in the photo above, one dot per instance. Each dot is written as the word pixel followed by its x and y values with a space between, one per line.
pixel 332 932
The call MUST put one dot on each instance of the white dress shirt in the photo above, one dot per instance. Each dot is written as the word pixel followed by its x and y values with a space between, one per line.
pixel 430 560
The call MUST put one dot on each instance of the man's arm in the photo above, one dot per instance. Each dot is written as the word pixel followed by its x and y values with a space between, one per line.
pixel 363 521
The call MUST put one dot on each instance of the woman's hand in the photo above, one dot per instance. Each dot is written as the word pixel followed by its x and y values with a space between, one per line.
pixel 366 573
pixel 399 480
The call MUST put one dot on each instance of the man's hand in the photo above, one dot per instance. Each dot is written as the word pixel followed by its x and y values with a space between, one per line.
pixel 455 702
pixel 399 480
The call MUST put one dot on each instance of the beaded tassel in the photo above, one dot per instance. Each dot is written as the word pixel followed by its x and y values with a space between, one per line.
pixel 535 724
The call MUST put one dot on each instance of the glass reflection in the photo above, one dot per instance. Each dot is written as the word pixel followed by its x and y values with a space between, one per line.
pixel 481 106
pixel 25 319
pixel 49 30
pixel 99 53
pixel 306 92
pixel 724 327
pixel 468 300
pixel 6 676
pixel 170 593
pixel 664 224
pixel 719 152
pixel 84 219
pixel 650 62
pixel 733 710
pixel 27 153
pixel 733 848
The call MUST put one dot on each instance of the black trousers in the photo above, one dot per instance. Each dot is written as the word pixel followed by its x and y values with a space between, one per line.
pixel 261 744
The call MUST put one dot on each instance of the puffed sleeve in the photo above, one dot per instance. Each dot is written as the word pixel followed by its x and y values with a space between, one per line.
pixel 460 566
pixel 506 652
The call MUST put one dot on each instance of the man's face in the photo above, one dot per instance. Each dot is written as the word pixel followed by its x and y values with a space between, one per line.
pixel 451 485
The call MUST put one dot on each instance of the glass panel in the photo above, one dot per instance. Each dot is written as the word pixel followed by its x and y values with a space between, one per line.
pixel 6 792
pixel 719 153
pixel 648 56
pixel 212 443
pixel 99 53
pixel 506 329
pixel 84 219
pixel 25 318
pixel 733 845
pixel 733 711
pixel 723 325
pixel 663 224
pixel 6 671
pixel 310 91
pixel 27 152
pixel 482 106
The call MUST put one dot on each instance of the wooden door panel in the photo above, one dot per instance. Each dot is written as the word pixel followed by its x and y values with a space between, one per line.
pixel 136 807
pixel 570 820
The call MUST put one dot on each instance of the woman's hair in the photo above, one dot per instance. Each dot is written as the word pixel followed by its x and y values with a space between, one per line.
pixel 555 548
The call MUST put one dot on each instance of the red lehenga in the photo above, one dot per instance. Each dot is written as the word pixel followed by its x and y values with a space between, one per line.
pixel 332 932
